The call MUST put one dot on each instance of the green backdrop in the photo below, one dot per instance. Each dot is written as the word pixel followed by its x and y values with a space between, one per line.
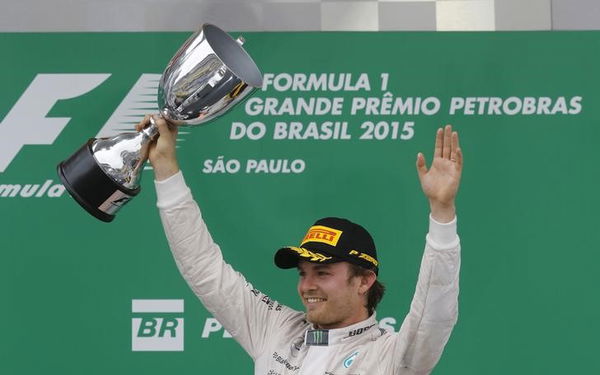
pixel 528 205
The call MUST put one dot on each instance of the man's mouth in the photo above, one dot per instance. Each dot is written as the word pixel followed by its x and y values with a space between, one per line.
pixel 315 299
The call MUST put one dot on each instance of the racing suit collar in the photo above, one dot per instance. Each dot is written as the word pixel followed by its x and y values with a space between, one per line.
pixel 326 337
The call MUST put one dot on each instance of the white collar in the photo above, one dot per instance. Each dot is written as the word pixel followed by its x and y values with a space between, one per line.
pixel 325 337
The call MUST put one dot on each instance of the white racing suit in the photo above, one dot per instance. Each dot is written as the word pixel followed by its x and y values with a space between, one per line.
pixel 279 339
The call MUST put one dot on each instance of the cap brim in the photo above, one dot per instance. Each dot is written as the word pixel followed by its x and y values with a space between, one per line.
pixel 288 257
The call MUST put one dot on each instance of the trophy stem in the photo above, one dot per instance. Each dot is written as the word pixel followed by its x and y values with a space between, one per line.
pixel 151 131
pixel 147 135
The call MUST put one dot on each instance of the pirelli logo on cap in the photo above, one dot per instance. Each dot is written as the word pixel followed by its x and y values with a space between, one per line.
pixel 319 233
pixel 364 256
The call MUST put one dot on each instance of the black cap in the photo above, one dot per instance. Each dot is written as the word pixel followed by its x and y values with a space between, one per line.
pixel 332 240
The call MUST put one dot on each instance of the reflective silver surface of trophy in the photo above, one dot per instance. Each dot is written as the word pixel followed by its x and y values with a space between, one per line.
pixel 208 75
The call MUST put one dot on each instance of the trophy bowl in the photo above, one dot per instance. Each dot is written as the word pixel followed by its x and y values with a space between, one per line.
pixel 209 74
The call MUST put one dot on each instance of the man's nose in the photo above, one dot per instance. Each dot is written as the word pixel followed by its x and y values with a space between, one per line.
pixel 307 283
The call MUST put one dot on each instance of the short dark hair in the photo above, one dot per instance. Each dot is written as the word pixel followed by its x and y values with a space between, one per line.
pixel 375 293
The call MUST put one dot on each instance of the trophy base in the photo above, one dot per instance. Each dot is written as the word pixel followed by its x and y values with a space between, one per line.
pixel 91 187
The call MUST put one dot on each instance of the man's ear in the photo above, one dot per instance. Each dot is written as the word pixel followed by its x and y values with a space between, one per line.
pixel 366 281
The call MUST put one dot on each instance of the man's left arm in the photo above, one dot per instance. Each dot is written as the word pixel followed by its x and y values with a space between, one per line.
pixel 434 308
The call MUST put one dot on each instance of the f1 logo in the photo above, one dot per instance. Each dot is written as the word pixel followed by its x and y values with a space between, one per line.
pixel 27 124
pixel 157 325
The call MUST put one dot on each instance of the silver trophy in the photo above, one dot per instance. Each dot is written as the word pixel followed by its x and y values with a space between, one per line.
pixel 207 76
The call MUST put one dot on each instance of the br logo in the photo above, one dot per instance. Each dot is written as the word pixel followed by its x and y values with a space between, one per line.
pixel 157 325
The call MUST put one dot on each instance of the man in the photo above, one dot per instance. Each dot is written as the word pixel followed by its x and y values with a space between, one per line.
pixel 338 268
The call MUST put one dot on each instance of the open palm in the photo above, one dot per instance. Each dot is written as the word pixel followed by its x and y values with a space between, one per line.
pixel 441 181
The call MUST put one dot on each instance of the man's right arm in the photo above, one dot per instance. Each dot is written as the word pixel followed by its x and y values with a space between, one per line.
pixel 245 312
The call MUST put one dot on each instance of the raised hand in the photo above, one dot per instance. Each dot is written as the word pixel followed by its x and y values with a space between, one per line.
pixel 162 151
pixel 440 182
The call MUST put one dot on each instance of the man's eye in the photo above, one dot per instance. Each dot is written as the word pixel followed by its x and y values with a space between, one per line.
pixel 323 273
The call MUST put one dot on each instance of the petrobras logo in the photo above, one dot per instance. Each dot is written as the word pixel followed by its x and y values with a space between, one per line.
pixel 157 325
pixel 320 233
pixel 214 329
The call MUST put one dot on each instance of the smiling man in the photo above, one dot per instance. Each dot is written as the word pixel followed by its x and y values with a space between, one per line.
pixel 337 283
pixel 338 268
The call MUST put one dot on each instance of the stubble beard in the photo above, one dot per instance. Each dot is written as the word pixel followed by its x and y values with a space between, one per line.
pixel 326 316
pixel 321 319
